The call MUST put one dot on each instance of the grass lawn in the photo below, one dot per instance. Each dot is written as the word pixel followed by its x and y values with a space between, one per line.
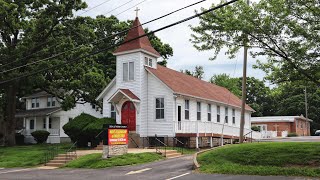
pixel 25 156
pixel 95 160
pixel 274 158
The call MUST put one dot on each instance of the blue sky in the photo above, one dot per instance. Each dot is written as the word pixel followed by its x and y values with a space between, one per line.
pixel 185 55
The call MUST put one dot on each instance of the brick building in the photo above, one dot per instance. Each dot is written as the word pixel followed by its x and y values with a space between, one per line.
pixel 280 126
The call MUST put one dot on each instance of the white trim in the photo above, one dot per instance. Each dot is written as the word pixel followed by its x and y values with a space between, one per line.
pixel 106 89
pixel 277 119
pixel 136 50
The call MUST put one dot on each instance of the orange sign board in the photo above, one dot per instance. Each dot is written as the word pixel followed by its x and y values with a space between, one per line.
pixel 117 136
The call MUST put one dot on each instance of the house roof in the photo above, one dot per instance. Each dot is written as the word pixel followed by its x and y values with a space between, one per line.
pixel 36 112
pixel 187 85
pixel 118 95
pixel 277 119
pixel 141 43
pixel 37 94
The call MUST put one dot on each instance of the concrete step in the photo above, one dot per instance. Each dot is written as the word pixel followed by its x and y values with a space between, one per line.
pixel 59 161
pixel 63 158
pixel 55 164
pixel 171 151
pixel 173 155
pixel 64 155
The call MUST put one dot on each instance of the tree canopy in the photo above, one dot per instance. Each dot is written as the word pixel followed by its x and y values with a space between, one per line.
pixel 286 32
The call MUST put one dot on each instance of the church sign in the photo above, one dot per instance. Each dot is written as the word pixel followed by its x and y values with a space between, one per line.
pixel 115 140
pixel 117 135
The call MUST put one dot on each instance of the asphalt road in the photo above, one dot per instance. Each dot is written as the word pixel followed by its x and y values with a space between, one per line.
pixel 178 168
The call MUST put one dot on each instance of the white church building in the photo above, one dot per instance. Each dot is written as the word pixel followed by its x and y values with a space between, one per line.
pixel 154 100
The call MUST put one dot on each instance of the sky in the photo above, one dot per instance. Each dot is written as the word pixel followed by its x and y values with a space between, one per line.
pixel 185 56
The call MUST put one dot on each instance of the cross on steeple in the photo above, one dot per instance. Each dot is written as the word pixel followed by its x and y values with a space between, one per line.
pixel 137 10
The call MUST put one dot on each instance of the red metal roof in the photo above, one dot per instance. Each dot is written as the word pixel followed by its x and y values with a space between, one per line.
pixel 141 43
pixel 129 93
pixel 187 85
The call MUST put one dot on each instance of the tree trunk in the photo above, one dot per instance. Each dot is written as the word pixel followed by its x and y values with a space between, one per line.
pixel 10 111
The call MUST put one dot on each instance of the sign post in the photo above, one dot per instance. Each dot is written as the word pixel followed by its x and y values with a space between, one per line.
pixel 115 141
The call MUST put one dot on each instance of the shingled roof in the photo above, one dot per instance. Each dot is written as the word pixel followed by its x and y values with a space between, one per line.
pixel 187 85
pixel 141 43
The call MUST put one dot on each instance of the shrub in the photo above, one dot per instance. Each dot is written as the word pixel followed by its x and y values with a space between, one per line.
pixel 40 136
pixel 84 128
pixel 255 128
pixel 293 134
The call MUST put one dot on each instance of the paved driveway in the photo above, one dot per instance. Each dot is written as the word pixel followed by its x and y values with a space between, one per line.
pixel 178 168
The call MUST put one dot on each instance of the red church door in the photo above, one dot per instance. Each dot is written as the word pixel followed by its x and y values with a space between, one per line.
pixel 128 115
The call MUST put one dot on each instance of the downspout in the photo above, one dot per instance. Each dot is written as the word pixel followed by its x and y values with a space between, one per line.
pixel 147 104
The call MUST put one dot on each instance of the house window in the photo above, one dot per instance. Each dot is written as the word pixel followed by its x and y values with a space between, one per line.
pixel 209 112
pixel 51 102
pixel 159 108
pixel 113 112
pixel 35 103
pixel 150 62
pixel 186 109
pixel 218 113
pixel 31 124
pixel 226 115
pixel 233 116
pixel 45 123
pixel 198 111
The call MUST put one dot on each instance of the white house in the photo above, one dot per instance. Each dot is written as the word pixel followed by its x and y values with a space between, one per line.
pixel 154 100
pixel 43 112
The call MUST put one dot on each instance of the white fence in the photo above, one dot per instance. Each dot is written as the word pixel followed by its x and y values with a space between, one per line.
pixel 212 127
pixel 53 132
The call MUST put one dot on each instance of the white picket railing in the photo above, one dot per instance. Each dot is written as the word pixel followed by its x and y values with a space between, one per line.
pixel 53 132
pixel 212 127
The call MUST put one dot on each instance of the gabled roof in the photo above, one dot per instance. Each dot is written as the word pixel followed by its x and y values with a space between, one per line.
pixel 118 95
pixel 129 94
pixel 187 85
pixel 141 43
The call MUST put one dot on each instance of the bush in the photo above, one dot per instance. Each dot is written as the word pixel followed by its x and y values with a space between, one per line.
pixel 40 136
pixel 84 128
pixel 255 128
pixel 293 134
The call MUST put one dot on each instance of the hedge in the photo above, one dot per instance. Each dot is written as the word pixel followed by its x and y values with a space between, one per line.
pixel 84 128
pixel 40 136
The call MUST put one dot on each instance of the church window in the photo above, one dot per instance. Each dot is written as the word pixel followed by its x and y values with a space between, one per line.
pixel 159 108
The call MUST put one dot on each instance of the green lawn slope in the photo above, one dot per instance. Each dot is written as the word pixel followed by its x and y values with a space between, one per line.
pixel 277 158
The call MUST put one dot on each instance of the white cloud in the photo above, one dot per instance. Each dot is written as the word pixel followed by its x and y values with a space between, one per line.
pixel 185 55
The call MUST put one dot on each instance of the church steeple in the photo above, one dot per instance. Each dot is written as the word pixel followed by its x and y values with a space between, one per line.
pixel 141 43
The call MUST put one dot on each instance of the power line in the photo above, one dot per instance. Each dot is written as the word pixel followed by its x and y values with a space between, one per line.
pixel 93 7
pixel 118 44
pixel 110 36
pixel 118 7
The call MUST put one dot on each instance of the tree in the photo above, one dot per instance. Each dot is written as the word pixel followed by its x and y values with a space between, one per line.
pixel 33 30
pixel 284 31
pixel 197 73
pixel 224 80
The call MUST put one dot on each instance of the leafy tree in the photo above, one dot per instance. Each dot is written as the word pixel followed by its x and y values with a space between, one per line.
pixel 224 80
pixel 197 73
pixel 284 31
pixel 33 30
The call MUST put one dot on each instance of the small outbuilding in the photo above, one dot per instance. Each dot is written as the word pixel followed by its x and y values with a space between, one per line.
pixel 280 126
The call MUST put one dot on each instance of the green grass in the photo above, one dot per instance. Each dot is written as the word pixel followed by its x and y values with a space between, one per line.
pixel 25 156
pixel 95 161
pixel 281 158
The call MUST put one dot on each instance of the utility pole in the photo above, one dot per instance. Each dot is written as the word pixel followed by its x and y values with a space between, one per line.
pixel 244 89
pixel 305 101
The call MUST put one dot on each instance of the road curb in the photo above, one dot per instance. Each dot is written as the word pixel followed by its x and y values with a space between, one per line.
pixel 196 165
